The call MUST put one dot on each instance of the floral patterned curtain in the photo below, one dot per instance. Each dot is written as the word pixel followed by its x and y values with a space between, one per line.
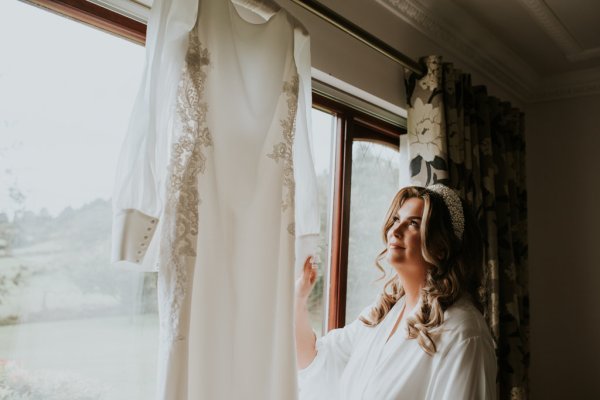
pixel 460 136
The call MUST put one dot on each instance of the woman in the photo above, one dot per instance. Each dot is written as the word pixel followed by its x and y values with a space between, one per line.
pixel 425 338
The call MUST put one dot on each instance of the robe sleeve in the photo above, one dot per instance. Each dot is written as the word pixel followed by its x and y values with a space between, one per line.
pixel 141 170
pixel 466 372
pixel 307 223
pixel 320 380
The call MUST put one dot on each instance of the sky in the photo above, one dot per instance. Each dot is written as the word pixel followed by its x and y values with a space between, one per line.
pixel 66 92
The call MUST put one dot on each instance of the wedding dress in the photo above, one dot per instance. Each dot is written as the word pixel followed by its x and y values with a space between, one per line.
pixel 216 191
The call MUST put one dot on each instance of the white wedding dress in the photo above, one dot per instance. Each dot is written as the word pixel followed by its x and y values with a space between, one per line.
pixel 216 190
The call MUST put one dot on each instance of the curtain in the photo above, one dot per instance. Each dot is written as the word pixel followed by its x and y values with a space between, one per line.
pixel 461 136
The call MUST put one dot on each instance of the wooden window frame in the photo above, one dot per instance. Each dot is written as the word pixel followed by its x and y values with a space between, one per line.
pixel 97 16
pixel 351 125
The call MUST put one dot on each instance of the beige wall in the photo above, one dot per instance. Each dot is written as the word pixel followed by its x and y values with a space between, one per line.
pixel 562 141
pixel 563 167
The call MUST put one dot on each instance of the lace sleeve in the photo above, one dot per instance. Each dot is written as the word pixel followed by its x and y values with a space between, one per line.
pixel 306 199
pixel 141 170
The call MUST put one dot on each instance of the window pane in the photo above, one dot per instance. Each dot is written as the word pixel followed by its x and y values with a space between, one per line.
pixel 374 184
pixel 71 327
pixel 323 137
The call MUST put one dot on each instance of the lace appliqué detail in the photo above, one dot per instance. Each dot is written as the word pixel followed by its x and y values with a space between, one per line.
pixel 292 229
pixel 283 151
pixel 183 199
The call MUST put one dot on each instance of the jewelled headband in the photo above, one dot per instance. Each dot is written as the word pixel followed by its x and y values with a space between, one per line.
pixel 454 206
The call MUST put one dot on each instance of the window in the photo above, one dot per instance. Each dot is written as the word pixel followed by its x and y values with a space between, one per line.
pixel 374 183
pixel 72 328
pixel 69 327
pixel 365 177
pixel 324 129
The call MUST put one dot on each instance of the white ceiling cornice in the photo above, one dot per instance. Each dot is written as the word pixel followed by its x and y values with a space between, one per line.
pixel 568 85
pixel 548 21
pixel 494 60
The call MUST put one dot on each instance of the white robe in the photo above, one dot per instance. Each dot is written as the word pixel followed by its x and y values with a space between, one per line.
pixel 216 190
pixel 355 362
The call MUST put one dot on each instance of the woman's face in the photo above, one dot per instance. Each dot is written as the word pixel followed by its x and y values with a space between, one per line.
pixel 404 239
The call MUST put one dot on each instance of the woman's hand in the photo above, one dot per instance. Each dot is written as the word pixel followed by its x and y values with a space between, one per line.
pixel 305 337
pixel 306 281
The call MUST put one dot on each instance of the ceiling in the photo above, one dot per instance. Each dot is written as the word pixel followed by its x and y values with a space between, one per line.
pixel 537 49
pixel 553 36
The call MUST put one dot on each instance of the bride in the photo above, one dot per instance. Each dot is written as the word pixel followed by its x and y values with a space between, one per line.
pixel 425 337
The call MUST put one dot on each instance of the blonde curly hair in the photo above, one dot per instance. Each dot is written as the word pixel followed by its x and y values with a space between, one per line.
pixel 455 266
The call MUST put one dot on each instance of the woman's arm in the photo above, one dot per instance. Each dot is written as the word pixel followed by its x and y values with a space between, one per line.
pixel 305 337
pixel 467 372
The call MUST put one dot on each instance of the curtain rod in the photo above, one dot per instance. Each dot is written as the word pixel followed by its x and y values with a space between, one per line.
pixel 360 34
